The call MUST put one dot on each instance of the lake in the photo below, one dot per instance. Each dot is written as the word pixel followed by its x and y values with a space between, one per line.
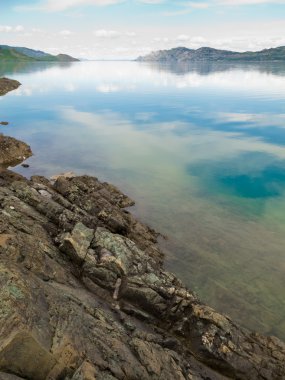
pixel 201 148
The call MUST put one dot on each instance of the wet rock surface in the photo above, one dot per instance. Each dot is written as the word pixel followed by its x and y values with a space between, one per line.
pixel 83 292
pixel 12 151
pixel 7 85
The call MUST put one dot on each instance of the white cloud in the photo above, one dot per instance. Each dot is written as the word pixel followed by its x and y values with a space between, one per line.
pixel 65 33
pixel 192 4
pixel 62 5
pixel 14 29
pixel 182 38
pixel 131 34
pixel 5 28
pixel 198 40
pixel 151 1
pixel 161 39
pixel 180 12
pixel 188 7
pixel 249 2
pixel 19 28
pixel 102 33
pixel 36 30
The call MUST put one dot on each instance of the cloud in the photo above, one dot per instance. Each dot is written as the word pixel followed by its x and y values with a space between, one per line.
pixel 13 29
pixel 152 1
pixel 249 2
pixel 110 34
pixel 182 38
pixel 36 30
pixel 192 4
pixel 180 12
pixel 5 28
pixel 189 6
pixel 131 34
pixel 102 33
pixel 19 28
pixel 65 33
pixel 161 39
pixel 62 5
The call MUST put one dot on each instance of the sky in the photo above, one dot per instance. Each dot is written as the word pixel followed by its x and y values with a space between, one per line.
pixel 126 29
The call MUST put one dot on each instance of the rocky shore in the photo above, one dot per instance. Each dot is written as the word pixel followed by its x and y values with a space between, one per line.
pixel 84 295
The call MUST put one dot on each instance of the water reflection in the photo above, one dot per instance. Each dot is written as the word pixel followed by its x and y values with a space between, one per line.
pixel 25 67
pixel 203 155
pixel 206 68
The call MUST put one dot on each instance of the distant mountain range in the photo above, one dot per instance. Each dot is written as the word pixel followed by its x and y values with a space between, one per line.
pixel 11 53
pixel 182 54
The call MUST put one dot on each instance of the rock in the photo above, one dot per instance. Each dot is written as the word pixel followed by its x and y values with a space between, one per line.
pixel 7 85
pixel 12 151
pixel 8 376
pixel 22 355
pixel 4 123
pixel 25 165
pixel 76 243
pixel 45 193
pixel 85 372
pixel 164 365
pixel 64 175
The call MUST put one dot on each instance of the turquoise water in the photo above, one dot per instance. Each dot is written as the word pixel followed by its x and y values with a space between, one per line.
pixel 200 148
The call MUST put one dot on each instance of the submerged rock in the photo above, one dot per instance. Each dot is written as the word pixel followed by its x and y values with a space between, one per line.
pixel 12 151
pixel 84 281
pixel 7 85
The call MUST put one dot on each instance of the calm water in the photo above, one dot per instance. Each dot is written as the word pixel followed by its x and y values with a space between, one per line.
pixel 201 149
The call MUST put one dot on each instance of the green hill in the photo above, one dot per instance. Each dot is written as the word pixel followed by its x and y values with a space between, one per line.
pixel 11 53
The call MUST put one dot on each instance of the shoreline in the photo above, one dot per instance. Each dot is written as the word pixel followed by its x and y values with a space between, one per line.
pixel 106 308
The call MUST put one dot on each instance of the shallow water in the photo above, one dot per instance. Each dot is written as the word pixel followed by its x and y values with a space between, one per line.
pixel 201 150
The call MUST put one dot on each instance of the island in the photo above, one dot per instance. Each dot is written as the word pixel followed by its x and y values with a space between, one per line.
pixel 84 294
pixel 207 54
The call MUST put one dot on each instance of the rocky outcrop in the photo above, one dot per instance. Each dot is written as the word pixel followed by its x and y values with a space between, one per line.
pixel 7 85
pixel 83 295
pixel 12 151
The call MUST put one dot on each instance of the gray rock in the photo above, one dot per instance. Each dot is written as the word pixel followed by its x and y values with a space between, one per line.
pixel 85 372
pixel 77 243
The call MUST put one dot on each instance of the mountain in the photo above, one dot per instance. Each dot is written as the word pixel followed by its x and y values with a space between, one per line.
pixel 12 53
pixel 182 54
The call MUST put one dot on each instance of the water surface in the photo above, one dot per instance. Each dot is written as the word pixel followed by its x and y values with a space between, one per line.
pixel 201 150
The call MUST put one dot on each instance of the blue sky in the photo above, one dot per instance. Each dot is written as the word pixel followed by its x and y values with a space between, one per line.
pixel 129 28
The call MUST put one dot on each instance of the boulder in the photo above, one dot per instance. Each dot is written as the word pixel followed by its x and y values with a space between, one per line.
pixel 77 243
pixel 22 355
